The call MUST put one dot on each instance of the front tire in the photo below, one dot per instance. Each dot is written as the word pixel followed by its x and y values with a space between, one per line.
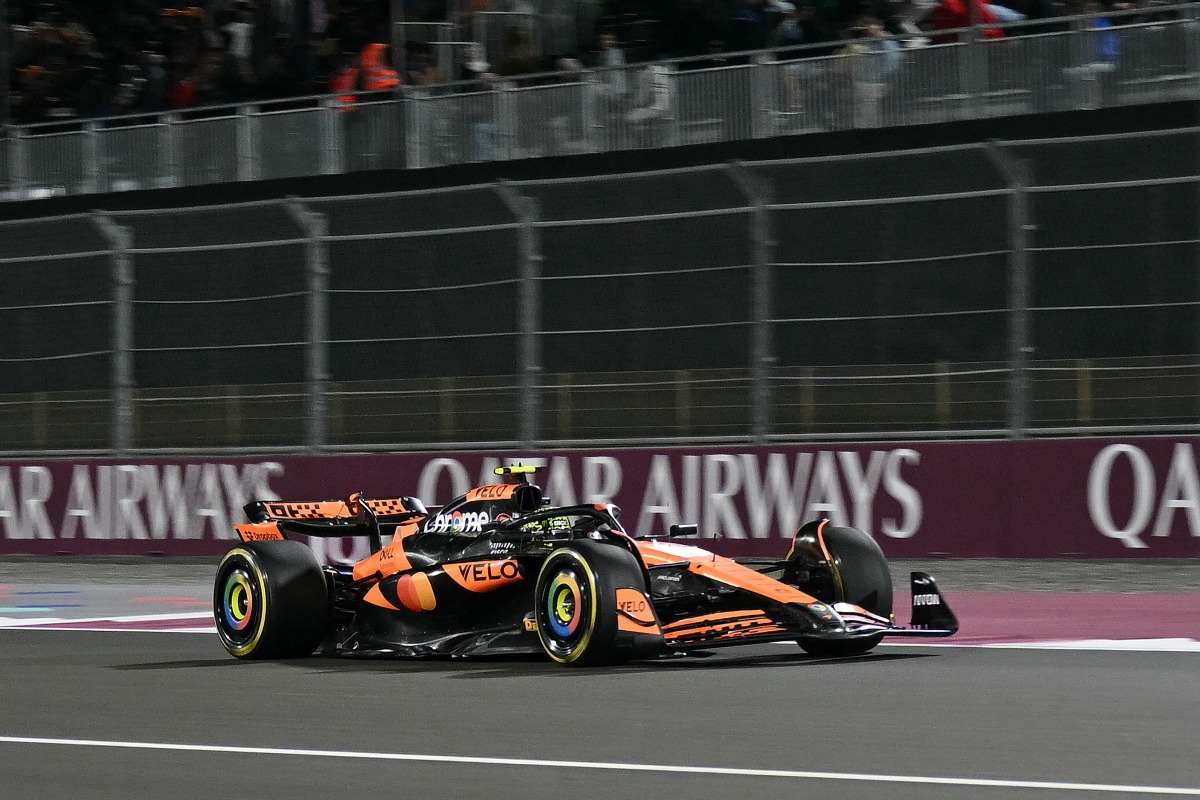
pixel 270 600
pixel 860 576
pixel 575 601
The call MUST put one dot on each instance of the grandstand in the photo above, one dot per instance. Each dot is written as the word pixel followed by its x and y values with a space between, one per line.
pixel 643 250
pixel 1129 57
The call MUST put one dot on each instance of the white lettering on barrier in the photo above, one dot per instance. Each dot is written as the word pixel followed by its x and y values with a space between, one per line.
pixel 776 499
pixel 1180 492
pixel 904 493
pixel 134 501
pixel 429 482
pixel 722 481
pixel 129 490
pixel 825 494
pixel 559 486
pixel 659 499
pixel 601 479
pixel 862 484
pixel 733 496
pixel 23 506
pixel 1099 502
pixel 774 494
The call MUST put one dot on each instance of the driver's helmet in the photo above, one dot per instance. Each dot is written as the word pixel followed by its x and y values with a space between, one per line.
pixel 548 525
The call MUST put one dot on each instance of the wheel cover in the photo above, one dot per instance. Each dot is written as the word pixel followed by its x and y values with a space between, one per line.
pixel 565 605
pixel 566 611
pixel 239 604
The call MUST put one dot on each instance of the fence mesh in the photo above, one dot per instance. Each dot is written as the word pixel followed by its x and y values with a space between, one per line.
pixel 55 335
pixel 56 164
pixel 132 158
pixel 424 320
pixel 206 150
pixel 219 327
pixel 289 143
pixel 832 297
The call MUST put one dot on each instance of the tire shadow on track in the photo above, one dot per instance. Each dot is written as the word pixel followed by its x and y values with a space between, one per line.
pixel 489 667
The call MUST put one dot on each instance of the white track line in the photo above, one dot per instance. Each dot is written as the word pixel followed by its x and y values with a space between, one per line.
pixel 21 622
pixel 740 772
pixel 60 624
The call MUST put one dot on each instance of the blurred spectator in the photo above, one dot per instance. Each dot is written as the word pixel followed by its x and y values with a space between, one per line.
pixel 750 26
pixel 475 65
pixel 800 26
pixel 875 57
pixel 83 58
pixel 951 14
pixel 377 74
pixel 344 83
pixel 91 58
pixel 517 56
pixel 611 60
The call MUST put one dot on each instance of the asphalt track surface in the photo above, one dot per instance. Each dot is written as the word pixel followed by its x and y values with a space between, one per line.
pixel 104 714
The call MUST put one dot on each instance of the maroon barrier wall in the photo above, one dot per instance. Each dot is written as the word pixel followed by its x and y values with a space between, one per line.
pixel 1100 498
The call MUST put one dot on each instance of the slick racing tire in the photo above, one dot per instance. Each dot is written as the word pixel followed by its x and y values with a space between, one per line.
pixel 270 600
pixel 861 571
pixel 575 601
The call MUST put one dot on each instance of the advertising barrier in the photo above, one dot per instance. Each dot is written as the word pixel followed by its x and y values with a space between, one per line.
pixel 1095 498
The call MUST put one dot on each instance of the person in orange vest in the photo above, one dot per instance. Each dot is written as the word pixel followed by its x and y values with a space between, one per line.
pixel 377 74
pixel 343 83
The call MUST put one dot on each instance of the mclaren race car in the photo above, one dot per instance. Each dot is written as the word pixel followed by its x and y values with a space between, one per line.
pixel 501 570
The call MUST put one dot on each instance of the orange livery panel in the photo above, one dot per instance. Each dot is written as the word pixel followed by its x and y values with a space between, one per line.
pixel 258 532
pixel 485 576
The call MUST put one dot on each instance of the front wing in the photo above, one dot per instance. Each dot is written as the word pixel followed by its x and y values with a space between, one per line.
pixel 931 617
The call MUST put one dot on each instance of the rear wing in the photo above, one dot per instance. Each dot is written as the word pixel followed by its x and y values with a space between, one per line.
pixel 355 516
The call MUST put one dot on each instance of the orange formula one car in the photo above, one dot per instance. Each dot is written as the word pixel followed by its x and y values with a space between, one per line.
pixel 500 570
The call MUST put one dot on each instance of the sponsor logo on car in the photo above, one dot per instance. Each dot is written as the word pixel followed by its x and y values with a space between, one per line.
pixel 459 522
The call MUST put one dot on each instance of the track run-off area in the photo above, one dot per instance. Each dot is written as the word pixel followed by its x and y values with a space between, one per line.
pixel 114 687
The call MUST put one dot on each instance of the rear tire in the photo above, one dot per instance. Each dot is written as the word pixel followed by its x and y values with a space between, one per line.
pixel 270 600
pixel 575 601
pixel 861 577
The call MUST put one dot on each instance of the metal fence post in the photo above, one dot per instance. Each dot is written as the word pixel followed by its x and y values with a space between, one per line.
pixel 760 96
pixel 94 177
pixel 758 192
pixel 974 72
pixel 507 122
pixel 589 109
pixel 316 373
pixel 414 128
pixel 18 176
pixel 526 210
pixel 169 167
pixel 120 239
pixel 674 117
pixel 333 138
pixel 247 144
pixel 1017 174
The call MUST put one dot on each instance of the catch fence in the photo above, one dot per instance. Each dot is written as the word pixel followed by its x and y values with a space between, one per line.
pixel 1019 289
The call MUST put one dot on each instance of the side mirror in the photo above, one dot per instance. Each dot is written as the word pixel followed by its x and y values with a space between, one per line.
pixel 683 530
